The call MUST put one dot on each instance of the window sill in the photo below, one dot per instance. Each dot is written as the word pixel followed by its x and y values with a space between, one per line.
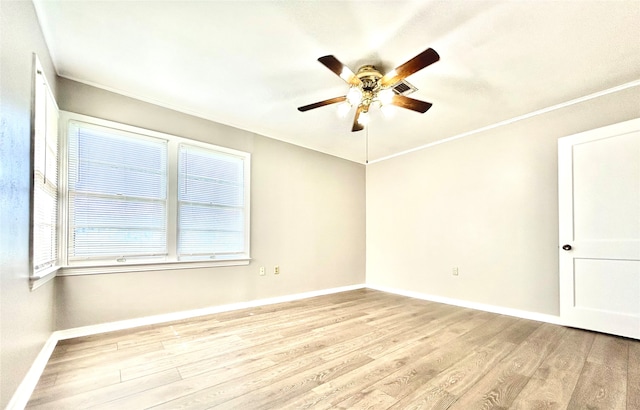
pixel 144 267
pixel 43 277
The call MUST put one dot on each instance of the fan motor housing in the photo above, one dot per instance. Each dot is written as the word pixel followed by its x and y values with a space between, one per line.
pixel 370 77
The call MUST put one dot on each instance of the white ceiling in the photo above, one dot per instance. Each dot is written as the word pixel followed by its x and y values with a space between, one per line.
pixel 250 64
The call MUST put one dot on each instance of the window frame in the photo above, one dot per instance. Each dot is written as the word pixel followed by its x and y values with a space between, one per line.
pixel 171 262
pixel 223 203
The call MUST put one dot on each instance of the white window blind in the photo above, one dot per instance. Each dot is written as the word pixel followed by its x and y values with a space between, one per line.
pixel 211 204
pixel 45 177
pixel 117 194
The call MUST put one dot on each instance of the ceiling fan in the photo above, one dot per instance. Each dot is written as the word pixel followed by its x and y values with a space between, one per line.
pixel 369 87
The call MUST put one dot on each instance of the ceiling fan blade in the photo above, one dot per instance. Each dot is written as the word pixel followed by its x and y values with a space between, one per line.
pixel 417 63
pixel 340 69
pixel 410 103
pixel 322 103
pixel 356 125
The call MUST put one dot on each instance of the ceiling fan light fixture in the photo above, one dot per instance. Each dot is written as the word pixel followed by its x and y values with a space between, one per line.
pixel 385 96
pixel 343 109
pixel 354 96
pixel 388 110
pixel 363 119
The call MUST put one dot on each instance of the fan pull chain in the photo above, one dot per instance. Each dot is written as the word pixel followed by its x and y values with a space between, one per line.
pixel 366 159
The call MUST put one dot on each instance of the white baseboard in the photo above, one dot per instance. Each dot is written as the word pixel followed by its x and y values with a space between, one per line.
pixel 524 314
pixel 25 389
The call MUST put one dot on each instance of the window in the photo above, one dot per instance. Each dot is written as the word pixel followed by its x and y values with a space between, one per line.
pixel 138 197
pixel 117 195
pixel 44 211
pixel 210 203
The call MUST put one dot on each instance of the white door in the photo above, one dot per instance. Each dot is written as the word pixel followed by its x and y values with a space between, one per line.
pixel 599 206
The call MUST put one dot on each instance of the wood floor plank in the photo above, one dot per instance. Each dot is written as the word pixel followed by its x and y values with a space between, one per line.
pixel 45 382
pixel 426 338
pixel 600 387
pixel 90 341
pixel 371 400
pixel 603 381
pixel 276 350
pixel 443 390
pixel 62 355
pixel 81 381
pixel 610 351
pixel 453 324
pixel 406 381
pixel 224 390
pixel 165 393
pixel 109 359
pixel 499 388
pixel 169 359
pixel 552 385
pixel 106 394
pixel 633 376
pixel 351 350
pixel 283 390
pixel 456 366
pixel 353 383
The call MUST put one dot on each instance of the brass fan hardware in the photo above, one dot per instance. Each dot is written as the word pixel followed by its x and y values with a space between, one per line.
pixel 369 87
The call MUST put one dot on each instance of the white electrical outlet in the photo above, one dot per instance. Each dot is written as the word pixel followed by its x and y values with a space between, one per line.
pixel 276 270
pixel 455 271
pixel 262 271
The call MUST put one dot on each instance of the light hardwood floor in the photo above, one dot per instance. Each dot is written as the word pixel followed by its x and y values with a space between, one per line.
pixel 352 350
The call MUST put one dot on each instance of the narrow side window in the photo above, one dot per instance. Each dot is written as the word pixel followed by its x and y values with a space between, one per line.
pixel 44 211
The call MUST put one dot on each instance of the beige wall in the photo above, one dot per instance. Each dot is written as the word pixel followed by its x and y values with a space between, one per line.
pixel 485 203
pixel 26 318
pixel 307 216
